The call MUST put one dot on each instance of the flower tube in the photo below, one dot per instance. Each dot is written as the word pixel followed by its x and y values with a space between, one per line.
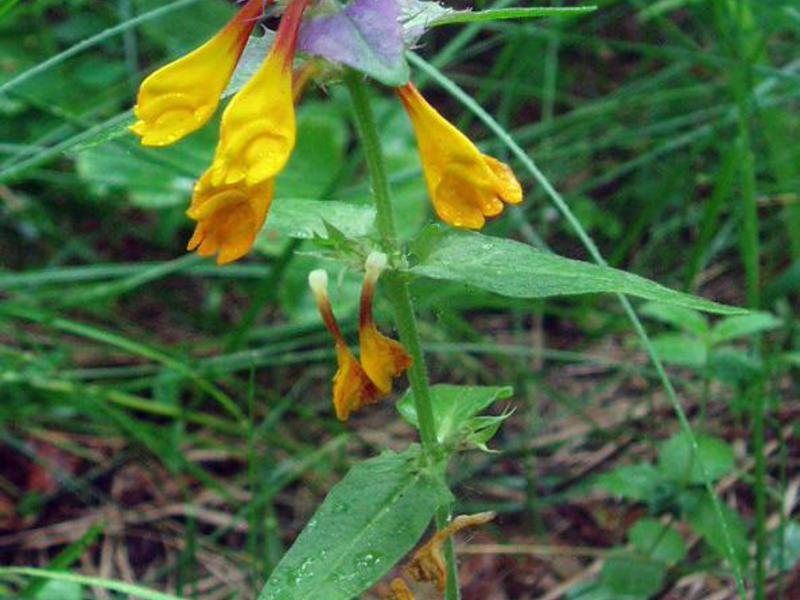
pixel 258 128
pixel 465 185
pixel 182 96
pixel 352 388
pixel 383 358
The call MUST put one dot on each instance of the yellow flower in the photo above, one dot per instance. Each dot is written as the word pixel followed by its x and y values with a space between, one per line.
pixel 258 129
pixel 352 388
pixel 465 185
pixel 228 217
pixel 181 97
pixel 383 358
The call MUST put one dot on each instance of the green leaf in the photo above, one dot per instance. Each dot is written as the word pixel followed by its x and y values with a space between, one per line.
pixel 60 590
pixel 657 541
pixel 108 584
pixel 633 482
pixel 743 325
pixel 676 461
pixel 319 155
pixel 151 179
pixel 305 219
pixel 790 358
pixel 514 269
pixel 630 576
pixel 685 319
pixel 502 14
pixel 733 366
pixel 479 430
pixel 453 406
pixel 784 547
pixel 678 349
pixel 366 524
pixel 703 518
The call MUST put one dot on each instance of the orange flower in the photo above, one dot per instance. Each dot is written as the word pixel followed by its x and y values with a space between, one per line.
pixel 228 217
pixel 352 388
pixel 383 358
pixel 465 185
pixel 258 128
pixel 181 97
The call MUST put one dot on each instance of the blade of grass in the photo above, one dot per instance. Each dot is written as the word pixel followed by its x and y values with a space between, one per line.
pixel 92 41
pixel 501 14
pixel 135 348
pixel 108 584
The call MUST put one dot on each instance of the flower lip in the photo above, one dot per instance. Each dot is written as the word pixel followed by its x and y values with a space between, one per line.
pixel 228 217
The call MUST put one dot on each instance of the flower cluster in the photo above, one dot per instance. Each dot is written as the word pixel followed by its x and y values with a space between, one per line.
pixel 257 135
pixel 231 200
pixel 383 359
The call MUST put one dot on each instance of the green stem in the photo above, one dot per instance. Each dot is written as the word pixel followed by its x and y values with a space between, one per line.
pixel 400 298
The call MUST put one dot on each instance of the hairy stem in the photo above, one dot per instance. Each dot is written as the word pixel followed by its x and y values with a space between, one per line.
pixel 399 296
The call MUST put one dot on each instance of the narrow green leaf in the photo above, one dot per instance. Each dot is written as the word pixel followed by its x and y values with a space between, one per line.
pixel 514 269
pixel 502 14
pixel 453 406
pixel 685 319
pixel 108 584
pixel 366 524
pixel 679 349
pixel 93 41
pixel 744 325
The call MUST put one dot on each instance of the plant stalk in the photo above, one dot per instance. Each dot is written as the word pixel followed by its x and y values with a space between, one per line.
pixel 400 297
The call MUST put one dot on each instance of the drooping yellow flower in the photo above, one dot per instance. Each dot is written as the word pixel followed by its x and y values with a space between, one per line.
pixel 465 185
pixel 383 358
pixel 258 128
pixel 228 217
pixel 181 97
pixel 352 388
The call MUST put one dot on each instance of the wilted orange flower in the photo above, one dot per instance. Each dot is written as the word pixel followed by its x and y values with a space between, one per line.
pixel 383 358
pixel 465 185
pixel 258 128
pixel 399 590
pixel 228 217
pixel 352 388
pixel 428 563
pixel 181 97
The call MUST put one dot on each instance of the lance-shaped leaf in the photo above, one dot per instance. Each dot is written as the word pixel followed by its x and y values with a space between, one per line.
pixel 366 36
pixel 366 524
pixel 514 269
